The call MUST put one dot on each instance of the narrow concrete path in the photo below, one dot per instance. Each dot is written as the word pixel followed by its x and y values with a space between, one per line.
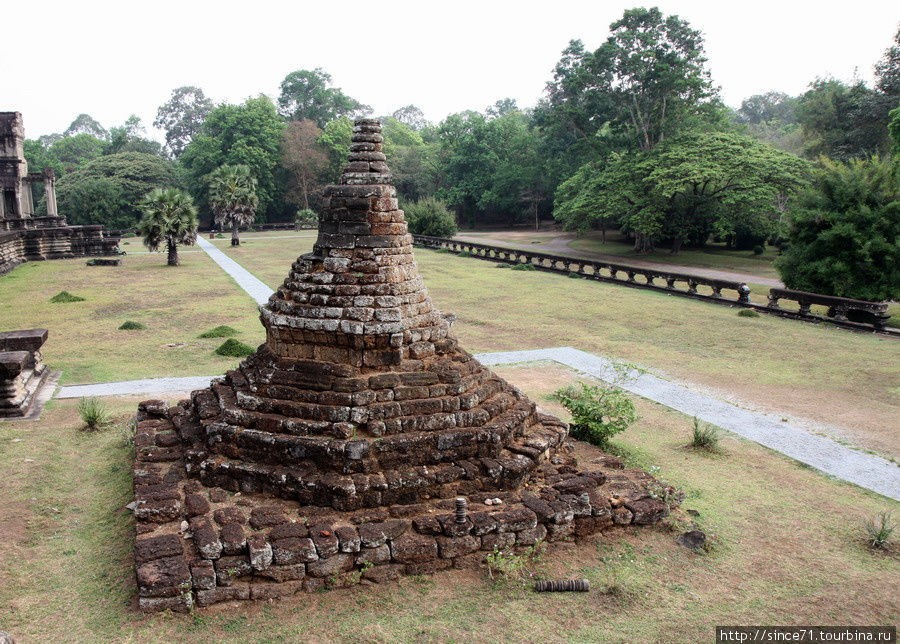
pixel 254 287
pixel 824 454
pixel 135 387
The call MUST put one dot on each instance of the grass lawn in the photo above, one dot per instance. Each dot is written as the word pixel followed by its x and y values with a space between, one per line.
pixel 788 549
pixel 176 304
pixel 715 256
pixel 847 381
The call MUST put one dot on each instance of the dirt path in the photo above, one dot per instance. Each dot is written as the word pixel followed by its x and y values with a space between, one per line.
pixel 559 245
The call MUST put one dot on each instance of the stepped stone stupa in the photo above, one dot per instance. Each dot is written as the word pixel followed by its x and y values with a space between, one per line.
pixel 360 441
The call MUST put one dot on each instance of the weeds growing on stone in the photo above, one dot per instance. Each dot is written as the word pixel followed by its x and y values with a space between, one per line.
pixel 222 331
pixel 93 413
pixel 65 296
pixel 748 313
pixel 510 565
pixel 128 325
pixel 705 436
pixel 879 530
pixel 524 267
pixel 235 349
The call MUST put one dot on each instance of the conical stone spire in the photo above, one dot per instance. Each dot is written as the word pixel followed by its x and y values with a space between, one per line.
pixel 357 299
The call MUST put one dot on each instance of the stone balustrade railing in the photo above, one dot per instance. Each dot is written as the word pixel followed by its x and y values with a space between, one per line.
pixel 667 281
pixel 855 314
pixel 839 309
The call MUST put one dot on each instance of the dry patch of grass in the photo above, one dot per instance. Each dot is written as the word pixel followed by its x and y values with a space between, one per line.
pixel 788 551
pixel 174 304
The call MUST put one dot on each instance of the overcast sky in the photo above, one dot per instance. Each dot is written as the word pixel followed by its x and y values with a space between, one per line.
pixel 112 59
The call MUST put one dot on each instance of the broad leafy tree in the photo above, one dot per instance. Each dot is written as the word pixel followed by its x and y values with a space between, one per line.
pixel 308 94
pixel 304 159
pixel 74 151
pixel 108 189
pixel 232 198
pixel 844 232
pixel 131 137
pixel 86 124
pixel 169 219
pixel 335 141
pixel 411 116
pixel 682 190
pixel 249 134
pixel 182 116
pixel 770 107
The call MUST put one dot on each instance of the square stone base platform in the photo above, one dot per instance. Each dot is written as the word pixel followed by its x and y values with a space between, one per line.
pixel 197 545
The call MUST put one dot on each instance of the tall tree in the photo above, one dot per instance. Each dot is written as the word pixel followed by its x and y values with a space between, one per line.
pixel 247 134
pixel 654 66
pixel 170 218
pixel 304 159
pixel 411 116
pixel 842 121
pixel 182 116
pixel 768 107
pixel 307 94
pixel 232 198
pixel 131 137
pixel 86 124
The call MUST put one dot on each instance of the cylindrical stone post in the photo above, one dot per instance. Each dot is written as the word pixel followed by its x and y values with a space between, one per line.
pixel 461 509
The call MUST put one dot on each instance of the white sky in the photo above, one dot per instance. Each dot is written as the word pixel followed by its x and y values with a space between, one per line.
pixel 114 58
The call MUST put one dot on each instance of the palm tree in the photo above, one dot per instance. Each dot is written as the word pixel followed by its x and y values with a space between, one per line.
pixel 170 218
pixel 232 198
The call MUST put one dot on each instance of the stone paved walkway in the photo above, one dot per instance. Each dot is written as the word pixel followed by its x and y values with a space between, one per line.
pixel 254 288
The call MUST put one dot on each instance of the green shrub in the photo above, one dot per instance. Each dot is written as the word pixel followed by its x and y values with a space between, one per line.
pixel 748 313
pixel 430 216
pixel 219 332
pixel 758 250
pixel 219 236
pixel 843 232
pixel 126 243
pixel 235 349
pixel 705 436
pixel 464 253
pixel 65 296
pixel 879 529
pixel 573 275
pixel 598 411
pixel 524 267
pixel 128 325
pixel 502 266
pixel 306 216
pixel 93 413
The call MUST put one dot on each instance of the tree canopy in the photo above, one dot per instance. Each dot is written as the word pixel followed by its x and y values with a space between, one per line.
pixel 108 189
pixel 307 94
pixel 248 134
pixel 182 116
pixel 169 218
pixel 682 190
pixel 233 198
